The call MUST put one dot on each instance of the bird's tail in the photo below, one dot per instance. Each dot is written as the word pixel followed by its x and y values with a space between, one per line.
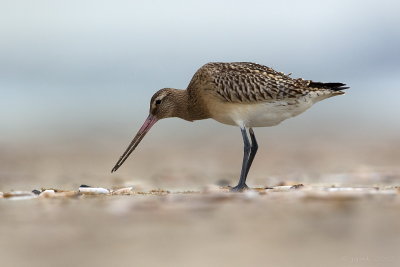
pixel 330 86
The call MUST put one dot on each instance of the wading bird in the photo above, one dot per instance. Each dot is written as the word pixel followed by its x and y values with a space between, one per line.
pixel 242 94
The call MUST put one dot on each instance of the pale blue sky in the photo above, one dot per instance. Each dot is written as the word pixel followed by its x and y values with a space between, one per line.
pixel 95 64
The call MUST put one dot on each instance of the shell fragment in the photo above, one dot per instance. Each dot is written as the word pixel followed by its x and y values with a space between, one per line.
pixel 93 190
pixel 19 195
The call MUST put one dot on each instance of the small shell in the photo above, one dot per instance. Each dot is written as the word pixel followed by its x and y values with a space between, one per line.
pixel 93 190
pixel 36 192
pixel 19 195
pixel 297 186
pixel 47 193
pixel 55 194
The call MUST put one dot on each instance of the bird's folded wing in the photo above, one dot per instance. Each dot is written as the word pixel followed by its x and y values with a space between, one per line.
pixel 243 82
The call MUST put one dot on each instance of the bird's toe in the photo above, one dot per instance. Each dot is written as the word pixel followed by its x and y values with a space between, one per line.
pixel 239 188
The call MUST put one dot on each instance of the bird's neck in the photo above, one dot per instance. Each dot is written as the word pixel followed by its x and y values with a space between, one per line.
pixel 189 107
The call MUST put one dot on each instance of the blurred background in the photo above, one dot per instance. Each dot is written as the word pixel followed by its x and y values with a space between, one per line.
pixel 76 78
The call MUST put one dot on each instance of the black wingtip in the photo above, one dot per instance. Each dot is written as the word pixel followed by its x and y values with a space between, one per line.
pixel 331 86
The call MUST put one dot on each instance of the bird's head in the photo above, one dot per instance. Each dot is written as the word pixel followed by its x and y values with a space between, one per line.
pixel 163 104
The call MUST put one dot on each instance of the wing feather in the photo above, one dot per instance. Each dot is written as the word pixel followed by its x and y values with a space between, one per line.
pixel 246 82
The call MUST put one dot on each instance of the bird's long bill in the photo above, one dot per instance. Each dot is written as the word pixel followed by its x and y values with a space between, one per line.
pixel 149 122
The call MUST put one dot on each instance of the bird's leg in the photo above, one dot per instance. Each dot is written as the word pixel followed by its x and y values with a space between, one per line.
pixel 245 165
pixel 253 150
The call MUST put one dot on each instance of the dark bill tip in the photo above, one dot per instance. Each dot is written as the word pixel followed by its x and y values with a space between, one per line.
pixel 148 123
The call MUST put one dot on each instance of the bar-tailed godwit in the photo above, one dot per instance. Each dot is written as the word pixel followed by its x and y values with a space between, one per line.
pixel 241 94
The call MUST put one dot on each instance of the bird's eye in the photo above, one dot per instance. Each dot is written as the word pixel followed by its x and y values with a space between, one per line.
pixel 158 101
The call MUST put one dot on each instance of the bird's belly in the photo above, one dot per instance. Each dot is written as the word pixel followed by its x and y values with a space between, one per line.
pixel 259 114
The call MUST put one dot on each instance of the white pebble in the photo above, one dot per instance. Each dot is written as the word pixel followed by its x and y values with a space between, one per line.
pixel 93 190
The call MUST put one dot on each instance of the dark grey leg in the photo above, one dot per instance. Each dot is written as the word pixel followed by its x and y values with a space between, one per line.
pixel 246 156
pixel 250 151
pixel 253 150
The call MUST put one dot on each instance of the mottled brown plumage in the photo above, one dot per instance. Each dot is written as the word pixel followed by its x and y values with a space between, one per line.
pixel 245 82
pixel 241 93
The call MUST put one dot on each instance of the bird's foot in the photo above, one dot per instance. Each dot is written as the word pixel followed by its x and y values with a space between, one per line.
pixel 239 188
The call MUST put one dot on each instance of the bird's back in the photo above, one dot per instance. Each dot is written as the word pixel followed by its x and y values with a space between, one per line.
pixel 253 95
pixel 246 82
